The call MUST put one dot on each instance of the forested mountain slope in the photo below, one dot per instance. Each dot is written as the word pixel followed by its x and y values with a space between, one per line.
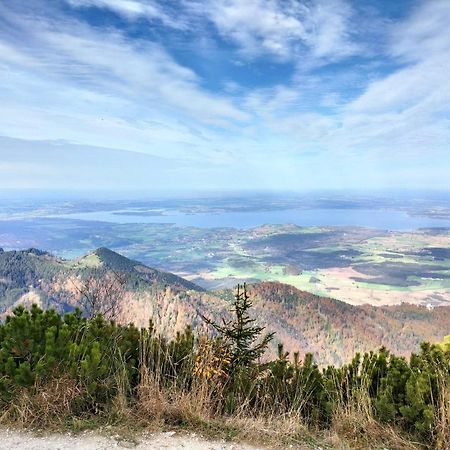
pixel 332 330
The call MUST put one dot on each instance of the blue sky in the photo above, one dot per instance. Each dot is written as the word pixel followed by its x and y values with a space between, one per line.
pixel 224 94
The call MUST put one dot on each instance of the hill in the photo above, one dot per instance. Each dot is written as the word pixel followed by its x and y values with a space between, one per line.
pixel 33 276
pixel 330 329
pixel 334 330
pixel 110 260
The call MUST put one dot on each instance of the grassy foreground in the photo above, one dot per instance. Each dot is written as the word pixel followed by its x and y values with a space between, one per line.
pixel 73 371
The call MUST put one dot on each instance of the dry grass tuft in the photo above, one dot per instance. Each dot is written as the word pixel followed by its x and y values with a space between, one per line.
pixel 353 423
pixel 442 412
pixel 275 431
pixel 152 404
pixel 360 432
pixel 48 404
pixel 174 405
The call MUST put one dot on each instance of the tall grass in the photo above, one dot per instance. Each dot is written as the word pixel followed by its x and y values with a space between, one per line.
pixel 57 371
pixel 442 412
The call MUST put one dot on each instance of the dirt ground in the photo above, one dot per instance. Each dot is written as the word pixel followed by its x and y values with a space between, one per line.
pixel 12 439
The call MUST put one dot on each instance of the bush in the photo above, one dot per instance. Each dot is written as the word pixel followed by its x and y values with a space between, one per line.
pixel 93 362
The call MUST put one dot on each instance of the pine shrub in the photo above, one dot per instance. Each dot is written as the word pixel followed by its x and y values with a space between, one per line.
pixel 99 361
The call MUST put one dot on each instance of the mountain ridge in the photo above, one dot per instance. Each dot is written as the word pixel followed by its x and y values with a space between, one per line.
pixel 115 261
pixel 330 329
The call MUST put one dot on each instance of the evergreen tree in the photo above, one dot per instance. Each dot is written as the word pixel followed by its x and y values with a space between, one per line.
pixel 242 333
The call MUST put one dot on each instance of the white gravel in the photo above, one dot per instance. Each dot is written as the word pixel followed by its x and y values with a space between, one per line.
pixel 24 440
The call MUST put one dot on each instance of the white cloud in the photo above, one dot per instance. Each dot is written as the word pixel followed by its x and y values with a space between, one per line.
pixel 287 29
pixel 69 81
pixel 407 110
pixel 424 35
pixel 422 45
pixel 400 116
pixel 132 9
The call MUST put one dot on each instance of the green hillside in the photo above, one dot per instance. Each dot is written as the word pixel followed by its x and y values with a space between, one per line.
pixel 110 260
pixel 38 271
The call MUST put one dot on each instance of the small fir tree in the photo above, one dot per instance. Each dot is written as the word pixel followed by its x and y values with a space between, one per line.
pixel 242 333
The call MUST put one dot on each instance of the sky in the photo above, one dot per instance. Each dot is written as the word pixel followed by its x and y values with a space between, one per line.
pixel 224 94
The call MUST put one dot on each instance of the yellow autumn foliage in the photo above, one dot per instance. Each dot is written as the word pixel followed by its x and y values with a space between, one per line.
pixel 212 359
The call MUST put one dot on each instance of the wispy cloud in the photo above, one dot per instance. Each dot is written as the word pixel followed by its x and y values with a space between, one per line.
pixel 408 109
pixel 74 82
pixel 286 29
pixel 315 99
pixel 132 10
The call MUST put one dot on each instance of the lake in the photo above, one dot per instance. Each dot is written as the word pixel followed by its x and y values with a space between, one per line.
pixel 371 218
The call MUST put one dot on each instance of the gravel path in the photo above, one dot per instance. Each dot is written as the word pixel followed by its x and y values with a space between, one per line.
pixel 12 439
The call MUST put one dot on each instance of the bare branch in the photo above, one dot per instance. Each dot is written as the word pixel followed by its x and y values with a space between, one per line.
pixel 101 293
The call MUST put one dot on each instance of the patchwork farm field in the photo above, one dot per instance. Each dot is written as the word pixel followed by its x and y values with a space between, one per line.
pixel 354 264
